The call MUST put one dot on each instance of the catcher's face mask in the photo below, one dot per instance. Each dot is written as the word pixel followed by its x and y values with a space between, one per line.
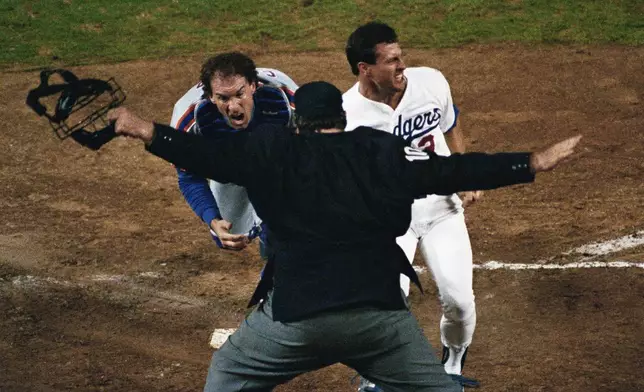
pixel 80 106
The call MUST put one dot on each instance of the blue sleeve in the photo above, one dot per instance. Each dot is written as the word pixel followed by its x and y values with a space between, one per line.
pixel 456 113
pixel 197 193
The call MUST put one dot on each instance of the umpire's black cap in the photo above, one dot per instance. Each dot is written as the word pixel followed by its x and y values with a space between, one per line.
pixel 318 100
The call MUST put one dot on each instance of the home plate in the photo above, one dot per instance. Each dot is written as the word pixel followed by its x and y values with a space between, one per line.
pixel 219 336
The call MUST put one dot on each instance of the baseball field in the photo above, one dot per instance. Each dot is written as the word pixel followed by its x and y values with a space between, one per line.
pixel 108 282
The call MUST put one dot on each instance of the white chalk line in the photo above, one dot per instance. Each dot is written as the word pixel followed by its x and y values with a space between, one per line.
pixel 589 252
pixel 149 295
pixel 610 246
pixel 497 265
pixel 30 280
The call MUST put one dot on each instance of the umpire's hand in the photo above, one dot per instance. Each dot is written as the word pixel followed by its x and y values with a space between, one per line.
pixel 550 157
pixel 129 124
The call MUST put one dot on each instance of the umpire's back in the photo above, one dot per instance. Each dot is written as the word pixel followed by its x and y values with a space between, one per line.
pixel 335 187
pixel 334 204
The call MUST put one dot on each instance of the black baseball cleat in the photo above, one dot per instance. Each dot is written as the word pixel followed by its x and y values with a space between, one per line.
pixel 465 382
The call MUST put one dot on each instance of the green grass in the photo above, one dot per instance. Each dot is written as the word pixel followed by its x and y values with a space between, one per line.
pixel 46 32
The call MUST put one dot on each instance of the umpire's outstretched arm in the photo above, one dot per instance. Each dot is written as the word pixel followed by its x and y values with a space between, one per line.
pixel 235 159
pixel 230 158
pixel 240 157
pixel 442 175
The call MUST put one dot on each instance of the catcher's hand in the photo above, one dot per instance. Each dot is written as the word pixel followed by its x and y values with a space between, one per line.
pixel 220 229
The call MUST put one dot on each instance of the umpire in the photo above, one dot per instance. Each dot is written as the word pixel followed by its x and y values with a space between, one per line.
pixel 334 204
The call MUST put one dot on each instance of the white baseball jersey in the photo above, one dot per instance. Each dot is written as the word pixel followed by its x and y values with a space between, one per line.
pixel 232 200
pixel 424 113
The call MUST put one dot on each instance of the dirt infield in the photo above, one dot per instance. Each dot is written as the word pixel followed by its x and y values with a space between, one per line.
pixel 109 283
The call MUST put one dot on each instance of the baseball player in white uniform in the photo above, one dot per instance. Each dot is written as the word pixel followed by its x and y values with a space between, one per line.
pixel 416 104
pixel 225 208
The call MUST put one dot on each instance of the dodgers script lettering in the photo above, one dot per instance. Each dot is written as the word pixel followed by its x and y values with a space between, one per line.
pixel 418 125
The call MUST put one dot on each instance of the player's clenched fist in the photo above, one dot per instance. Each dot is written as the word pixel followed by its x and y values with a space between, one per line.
pixel 128 124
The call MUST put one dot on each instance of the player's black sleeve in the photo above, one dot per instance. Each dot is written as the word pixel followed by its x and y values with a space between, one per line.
pixel 434 174
pixel 231 158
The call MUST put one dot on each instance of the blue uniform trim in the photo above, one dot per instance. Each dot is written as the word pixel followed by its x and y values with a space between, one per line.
pixel 188 119
pixel 456 113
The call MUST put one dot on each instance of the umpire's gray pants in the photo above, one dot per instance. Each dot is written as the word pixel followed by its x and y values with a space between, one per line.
pixel 387 347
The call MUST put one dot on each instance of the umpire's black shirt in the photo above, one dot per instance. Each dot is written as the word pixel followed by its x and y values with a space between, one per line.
pixel 334 205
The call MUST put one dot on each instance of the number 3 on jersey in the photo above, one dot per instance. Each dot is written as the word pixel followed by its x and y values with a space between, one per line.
pixel 427 143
